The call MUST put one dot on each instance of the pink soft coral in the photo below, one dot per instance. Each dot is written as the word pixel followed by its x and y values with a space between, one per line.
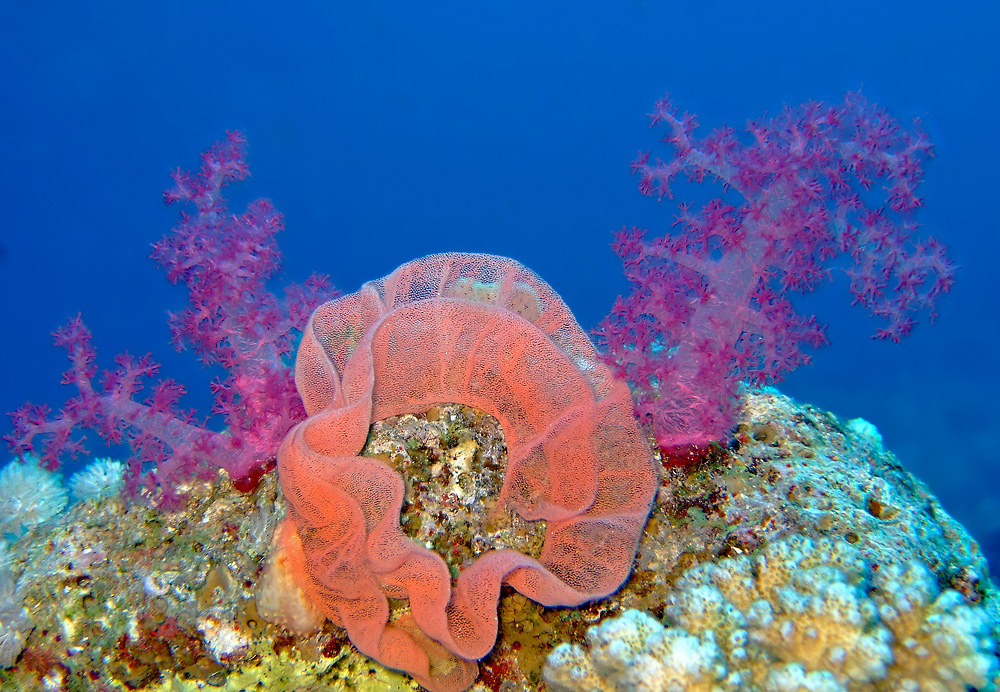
pixel 709 308
pixel 232 320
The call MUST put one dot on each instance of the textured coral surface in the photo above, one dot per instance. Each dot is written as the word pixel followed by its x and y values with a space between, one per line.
pixel 131 599
pixel 800 615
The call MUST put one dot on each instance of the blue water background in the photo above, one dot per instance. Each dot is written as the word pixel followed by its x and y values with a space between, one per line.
pixel 389 130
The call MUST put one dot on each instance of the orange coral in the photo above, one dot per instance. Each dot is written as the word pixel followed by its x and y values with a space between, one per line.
pixel 487 332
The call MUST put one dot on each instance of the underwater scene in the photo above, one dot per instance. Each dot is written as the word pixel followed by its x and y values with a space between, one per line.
pixel 507 347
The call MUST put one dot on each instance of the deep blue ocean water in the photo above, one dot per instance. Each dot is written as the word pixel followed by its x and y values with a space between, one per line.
pixel 388 130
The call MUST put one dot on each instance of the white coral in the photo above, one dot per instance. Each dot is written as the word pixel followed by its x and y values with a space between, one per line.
pixel 15 622
pixel 635 653
pixel 29 495
pixel 569 668
pixel 102 478
pixel 794 678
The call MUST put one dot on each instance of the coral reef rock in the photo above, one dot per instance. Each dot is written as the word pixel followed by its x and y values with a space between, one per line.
pixel 801 557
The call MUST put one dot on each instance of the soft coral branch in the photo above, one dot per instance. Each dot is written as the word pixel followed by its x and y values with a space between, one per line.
pixel 232 319
pixel 709 309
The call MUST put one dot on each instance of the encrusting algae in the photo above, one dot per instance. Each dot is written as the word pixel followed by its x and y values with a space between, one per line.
pixel 803 513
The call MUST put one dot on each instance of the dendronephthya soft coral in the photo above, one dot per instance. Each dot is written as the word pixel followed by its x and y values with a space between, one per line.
pixel 232 320
pixel 709 305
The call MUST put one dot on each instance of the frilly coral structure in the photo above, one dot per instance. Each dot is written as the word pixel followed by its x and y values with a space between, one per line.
pixel 484 331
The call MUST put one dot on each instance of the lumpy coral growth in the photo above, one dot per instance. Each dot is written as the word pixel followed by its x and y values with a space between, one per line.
pixel 801 616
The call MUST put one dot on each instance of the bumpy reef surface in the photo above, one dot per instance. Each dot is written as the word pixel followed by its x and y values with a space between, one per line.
pixel 127 598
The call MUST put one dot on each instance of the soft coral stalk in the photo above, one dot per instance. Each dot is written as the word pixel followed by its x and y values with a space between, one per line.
pixel 232 320
pixel 709 306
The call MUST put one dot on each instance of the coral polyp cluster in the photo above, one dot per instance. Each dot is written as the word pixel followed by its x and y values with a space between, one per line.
pixel 29 495
pixel 800 615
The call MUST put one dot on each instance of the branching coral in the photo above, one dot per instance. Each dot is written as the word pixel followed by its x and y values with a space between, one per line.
pixel 233 320
pixel 710 307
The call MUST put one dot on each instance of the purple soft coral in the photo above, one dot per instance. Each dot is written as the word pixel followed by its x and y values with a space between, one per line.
pixel 232 320
pixel 709 308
